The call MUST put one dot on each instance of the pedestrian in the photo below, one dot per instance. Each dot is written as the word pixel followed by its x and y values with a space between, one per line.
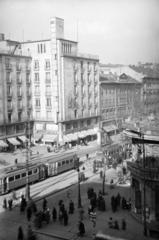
pixel 110 222
pixel 44 204
pixel 30 234
pixel 65 217
pixel 60 216
pixel 23 204
pixel 116 225
pixel 20 233
pixel 10 203
pixel 123 224
pixel 118 199
pixel 81 229
pixel 71 207
pixel 29 213
pixel 5 203
pixel 54 214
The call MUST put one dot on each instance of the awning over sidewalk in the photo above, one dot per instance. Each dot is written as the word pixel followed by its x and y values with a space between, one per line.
pixel 49 138
pixel 13 141
pixel 110 128
pixel 22 138
pixel 3 144
pixel 37 136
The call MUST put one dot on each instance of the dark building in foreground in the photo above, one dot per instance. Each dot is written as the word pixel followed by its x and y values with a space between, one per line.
pixel 144 170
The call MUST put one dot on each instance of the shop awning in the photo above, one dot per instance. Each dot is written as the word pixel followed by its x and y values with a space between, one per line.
pixel 13 141
pixel 3 144
pixel 22 138
pixel 110 128
pixel 37 136
pixel 49 138
pixel 72 137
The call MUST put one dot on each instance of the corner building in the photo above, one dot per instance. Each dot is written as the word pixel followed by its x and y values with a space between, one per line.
pixel 15 94
pixel 65 88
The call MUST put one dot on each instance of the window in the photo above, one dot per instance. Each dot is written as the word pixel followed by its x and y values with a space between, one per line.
pixel 48 115
pixel 48 89
pixel 19 116
pixel 8 78
pixel 48 78
pixel 37 102
pixel 36 77
pixel 17 176
pixel 88 122
pixel 59 164
pixel 47 64
pixel 71 160
pixel 67 161
pixel 75 113
pixel 75 125
pixel 82 123
pixel 41 48
pixel 36 64
pixel 56 72
pixel 63 162
pixel 9 90
pixel 19 91
pixel 37 89
pixel 35 170
pixel 37 114
pixel 23 174
pixel 30 172
pixel 68 126
pixel 9 117
pixel 48 102
pixel 11 179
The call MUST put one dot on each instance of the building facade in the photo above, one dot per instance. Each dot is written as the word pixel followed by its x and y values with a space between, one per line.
pixel 119 97
pixel 65 87
pixel 15 93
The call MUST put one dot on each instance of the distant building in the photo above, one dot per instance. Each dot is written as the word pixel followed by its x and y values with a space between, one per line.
pixel 148 76
pixel 65 88
pixel 119 97
pixel 15 93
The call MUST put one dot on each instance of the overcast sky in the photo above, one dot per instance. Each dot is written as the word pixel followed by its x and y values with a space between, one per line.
pixel 119 31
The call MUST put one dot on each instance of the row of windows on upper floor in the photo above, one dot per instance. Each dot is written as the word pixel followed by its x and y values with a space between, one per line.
pixel 20 78
pixel 47 64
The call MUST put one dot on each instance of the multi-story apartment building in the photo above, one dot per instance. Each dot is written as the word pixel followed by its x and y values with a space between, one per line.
pixel 15 93
pixel 119 97
pixel 148 77
pixel 65 87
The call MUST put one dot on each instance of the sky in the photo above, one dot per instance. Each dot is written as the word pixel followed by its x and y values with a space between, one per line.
pixel 118 31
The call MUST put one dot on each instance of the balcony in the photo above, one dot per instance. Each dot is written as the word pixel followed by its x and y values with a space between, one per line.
pixel 37 93
pixel 75 67
pixel 18 68
pixel 28 69
pixel 9 95
pixel 8 67
pixel 9 80
pixel 48 93
pixel 10 107
pixel 150 174
pixel 19 80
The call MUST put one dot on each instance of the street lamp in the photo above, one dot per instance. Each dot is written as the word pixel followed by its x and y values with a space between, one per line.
pixel 27 190
pixel 79 188
pixel 144 189
pixel 103 187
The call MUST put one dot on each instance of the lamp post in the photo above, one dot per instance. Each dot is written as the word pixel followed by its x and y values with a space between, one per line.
pixel 103 186
pixel 79 188
pixel 27 161
pixel 144 189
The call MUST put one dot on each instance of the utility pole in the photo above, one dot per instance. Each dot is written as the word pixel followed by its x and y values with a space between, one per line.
pixel 103 187
pixel 144 189
pixel 79 187
pixel 27 160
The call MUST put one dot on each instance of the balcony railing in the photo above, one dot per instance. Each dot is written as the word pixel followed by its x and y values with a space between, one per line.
pixel 8 66
pixel 149 174
pixel 18 68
